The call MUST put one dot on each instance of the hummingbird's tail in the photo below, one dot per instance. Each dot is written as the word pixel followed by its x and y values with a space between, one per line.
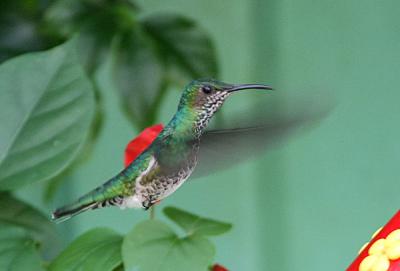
pixel 100 197
pixel 84 203
pixel 108 194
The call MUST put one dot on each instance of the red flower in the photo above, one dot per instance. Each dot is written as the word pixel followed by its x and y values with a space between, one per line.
pixel 141 142
pixel 217 267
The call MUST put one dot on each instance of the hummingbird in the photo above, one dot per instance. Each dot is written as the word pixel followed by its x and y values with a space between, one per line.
pixel 170 159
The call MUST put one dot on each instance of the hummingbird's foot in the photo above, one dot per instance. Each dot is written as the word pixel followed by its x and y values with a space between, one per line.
pixel 150 202
pixel 146 205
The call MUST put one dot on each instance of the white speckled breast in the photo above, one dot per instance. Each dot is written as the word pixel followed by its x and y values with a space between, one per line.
pixel 161 186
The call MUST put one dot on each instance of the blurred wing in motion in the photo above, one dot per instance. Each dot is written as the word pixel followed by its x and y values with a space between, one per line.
pixel 221 149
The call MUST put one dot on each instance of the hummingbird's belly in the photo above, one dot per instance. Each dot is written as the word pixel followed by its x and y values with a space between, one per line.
pixel 169 185
pixel 160 187
pixel 163 186
pixel 158 190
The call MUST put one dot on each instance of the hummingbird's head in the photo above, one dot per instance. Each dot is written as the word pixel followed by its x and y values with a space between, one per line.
pixel 205 96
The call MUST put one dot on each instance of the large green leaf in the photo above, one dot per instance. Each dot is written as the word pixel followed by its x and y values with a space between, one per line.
pixel 194 224
pixel 182 44
pixel 18 251
pixel 46 107
pixel 97 250
pixel 20 214
pixel 138 76
pixel 153 246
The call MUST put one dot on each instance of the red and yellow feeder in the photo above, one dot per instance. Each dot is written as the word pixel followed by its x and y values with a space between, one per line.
pixel 382 253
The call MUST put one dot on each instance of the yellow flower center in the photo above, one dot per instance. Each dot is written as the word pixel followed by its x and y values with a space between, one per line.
pixel 381 252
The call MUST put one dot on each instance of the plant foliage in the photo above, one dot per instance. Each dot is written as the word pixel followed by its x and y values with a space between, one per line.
pixel 46 108
pixel 25 236
pixel 194 224
pixel 50 109
pixel 18 251
pixel 153 245
pixel 150 54
pixel 97 250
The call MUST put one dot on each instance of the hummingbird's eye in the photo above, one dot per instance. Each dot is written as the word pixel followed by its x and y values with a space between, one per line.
pixel 206 89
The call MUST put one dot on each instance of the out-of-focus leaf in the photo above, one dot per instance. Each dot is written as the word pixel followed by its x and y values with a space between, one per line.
pixel 17 36
pixel 194 224
pixel 97 250
pixel 17 213
pixel 147 54
pixel 138 75
pixel 119 268
pixel 182 44
pixel 46 107
pixel 20 30
pixel 153 246
pixel 98 22
pixel 18 251
pixel 68 15
pixel 160 50
pixel 54 183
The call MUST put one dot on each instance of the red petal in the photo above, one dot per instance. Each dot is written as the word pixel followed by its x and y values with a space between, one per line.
pixel 141 142
pixel 218 267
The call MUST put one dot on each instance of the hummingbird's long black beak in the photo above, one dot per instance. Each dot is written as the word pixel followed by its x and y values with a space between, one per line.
pixel 234 88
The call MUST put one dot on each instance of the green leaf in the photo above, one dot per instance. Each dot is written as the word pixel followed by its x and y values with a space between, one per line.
pixel 183 45
pixel 138 75
pixel 96 250
pixel 70 16
pixel 52 186
pixel 97 22
pixel 17 213
pixel 153 246
pixel 67 16
pixel 150 55
pixel 18 251
pixel 46 107
pixel 20 30
pixel 194 224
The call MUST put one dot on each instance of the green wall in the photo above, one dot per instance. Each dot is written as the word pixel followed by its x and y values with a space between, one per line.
pixel 310 204
pixel 338 183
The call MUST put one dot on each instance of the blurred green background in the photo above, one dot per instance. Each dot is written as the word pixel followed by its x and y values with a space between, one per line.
pixel 311 203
